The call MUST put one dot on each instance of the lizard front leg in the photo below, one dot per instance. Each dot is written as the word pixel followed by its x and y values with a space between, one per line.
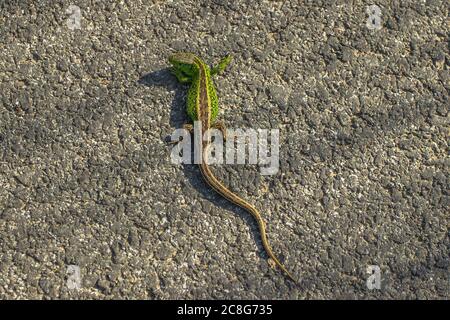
pixel 221 65
pixel 181 76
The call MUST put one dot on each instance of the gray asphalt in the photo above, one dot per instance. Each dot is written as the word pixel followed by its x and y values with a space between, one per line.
pixel 85 171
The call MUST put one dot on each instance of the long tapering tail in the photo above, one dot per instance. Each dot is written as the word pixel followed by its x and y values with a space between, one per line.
pixel 227 194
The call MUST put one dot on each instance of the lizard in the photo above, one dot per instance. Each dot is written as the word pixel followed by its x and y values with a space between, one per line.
pixel 202 106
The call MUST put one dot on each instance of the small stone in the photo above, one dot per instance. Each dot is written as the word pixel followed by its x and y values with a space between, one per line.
pixel 25 178
pixel 164 251
pixel 219 24
pixel 396 195
pixel 103 284
pixel 62 66
pixel 44 284
pixel 133 238
pixel 347 54
pixel 427 174
pixel 279 95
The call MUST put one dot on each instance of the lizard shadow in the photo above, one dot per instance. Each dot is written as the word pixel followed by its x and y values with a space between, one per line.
pixel 164 78
pixel 192 173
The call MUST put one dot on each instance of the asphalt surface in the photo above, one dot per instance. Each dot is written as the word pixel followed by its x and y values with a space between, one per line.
pixel 85 171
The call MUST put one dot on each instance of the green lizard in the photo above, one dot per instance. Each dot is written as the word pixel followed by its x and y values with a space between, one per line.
pixel 202 105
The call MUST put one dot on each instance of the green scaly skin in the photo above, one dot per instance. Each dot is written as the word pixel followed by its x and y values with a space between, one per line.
pixel 203 106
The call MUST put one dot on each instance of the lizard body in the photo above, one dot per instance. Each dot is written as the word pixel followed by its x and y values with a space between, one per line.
pixel 202 105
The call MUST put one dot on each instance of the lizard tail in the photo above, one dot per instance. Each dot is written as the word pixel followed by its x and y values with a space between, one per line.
pixel 227 194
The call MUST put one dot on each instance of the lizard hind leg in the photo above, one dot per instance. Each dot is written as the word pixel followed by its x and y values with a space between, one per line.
pixel 219 125
pixel 187 126
pixel 272 264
